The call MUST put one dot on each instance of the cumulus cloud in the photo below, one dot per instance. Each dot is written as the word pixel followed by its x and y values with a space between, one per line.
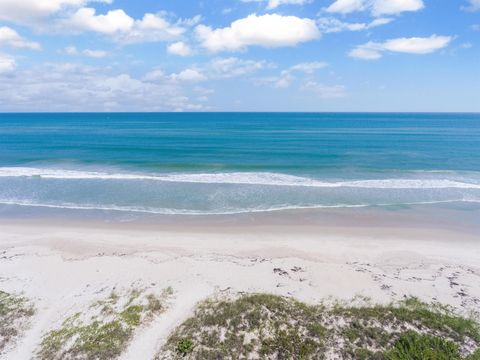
pixel 125 29
pixel 26 11
pixel 76 87
pixel 179 48
pixel 414 45
pixel 110 23
pixel 346 6
pixel 189 75
pixel 376 7
pixel 332 25
pixel 9 37
pixel 387 7
pixel 270 30
pixel 325 91
pixel 273 4
pixel 155 27
pixel 76 16
pixel 7 64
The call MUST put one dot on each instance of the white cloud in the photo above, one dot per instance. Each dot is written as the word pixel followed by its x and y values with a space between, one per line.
pixel 287 76
pixel 9 37
pixel 75 16
pixel 233 66
pixel 414 45
pixel 376 7
pixel 110 23
pixel 309 67
pixel 365 52
pixel 155 27
pixel 125 29
pixel 417 45
pixel 273 4
pixel 179 48
pixel 189 75
pixel 26 11
pixel 156 75
pixel 332 25
pixel 216 69
pixel 7 64
pixel 473 5
pixel 325 91
pixel 270 30
pixel 95 53
pixel 76 87
pixel 346 6
pixel 73 51
pixel 390 7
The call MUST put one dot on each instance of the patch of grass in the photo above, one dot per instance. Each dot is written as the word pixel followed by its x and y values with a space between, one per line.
pixel 104 330
pixel 272 327
pixel 185 346
pixel 413 346
pixel 378 327
pixel 255 325
pixel 440 319
pixel 15 312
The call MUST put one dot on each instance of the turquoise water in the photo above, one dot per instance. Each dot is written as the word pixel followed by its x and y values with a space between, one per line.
pixel 217 163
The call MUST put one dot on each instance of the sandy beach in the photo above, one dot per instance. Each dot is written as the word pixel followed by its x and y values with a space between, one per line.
pixel 65 265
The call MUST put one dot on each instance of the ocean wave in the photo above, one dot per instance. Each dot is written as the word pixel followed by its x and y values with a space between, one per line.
pixel 242 178
pixel 167 211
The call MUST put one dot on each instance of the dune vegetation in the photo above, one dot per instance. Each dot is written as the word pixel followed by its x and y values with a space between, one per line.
pixel 15 314
pixel 273 327
pixel 104 330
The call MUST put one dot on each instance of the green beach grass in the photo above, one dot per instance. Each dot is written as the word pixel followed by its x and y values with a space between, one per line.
pixel 262 326
pixel 104 330
pixel 15 314
pixel 255 326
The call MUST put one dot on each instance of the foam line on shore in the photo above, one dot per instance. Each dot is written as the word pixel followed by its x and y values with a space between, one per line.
pixel 239 178
pixel 166 211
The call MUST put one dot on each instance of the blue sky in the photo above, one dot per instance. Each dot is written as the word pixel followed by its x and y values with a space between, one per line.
pixel 240 55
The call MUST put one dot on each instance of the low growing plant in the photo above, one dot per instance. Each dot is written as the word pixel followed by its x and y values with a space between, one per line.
pixel 104 330
pixel 15 313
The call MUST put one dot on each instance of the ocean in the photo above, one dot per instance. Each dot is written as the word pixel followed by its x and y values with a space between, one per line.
pixel 228 163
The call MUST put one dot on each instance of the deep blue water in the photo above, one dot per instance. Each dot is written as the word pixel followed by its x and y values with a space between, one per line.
pixel 237 162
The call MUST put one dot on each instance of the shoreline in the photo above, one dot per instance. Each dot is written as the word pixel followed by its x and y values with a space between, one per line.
pixel 65 265
pixel 458 217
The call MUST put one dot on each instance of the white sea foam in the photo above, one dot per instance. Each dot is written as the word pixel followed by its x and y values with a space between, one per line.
pixel 168 211
pixel 241 178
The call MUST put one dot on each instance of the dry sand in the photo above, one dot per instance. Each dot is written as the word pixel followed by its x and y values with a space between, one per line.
pixel 64 266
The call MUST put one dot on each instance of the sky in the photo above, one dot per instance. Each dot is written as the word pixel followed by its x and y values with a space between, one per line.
pixel 240 55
